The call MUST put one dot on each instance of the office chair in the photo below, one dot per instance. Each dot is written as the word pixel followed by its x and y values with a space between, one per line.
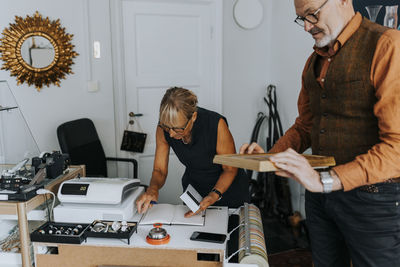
pixel 80 140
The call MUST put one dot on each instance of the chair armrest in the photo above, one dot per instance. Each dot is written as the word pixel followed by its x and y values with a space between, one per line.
pixel 133 161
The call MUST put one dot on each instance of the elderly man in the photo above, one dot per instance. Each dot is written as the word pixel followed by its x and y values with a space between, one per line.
pixel 349 108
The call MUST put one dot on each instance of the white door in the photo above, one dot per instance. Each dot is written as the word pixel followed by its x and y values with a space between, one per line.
pixel 161 44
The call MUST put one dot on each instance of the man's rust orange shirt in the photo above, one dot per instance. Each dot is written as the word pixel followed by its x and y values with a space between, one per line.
pixel 383 159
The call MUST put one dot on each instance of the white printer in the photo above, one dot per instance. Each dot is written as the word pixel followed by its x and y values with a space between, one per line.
pixel 83 200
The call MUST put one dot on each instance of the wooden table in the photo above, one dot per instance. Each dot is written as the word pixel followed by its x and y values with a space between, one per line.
pixel 180 251
pixel 21 208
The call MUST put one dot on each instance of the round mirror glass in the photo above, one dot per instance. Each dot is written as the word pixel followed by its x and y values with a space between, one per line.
pixel 37 51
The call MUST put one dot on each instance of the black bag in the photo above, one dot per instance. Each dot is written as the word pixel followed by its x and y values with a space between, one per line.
pixel 133 141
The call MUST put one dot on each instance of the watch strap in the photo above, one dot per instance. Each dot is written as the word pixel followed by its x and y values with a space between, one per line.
pixel 326 180
pixel 217 192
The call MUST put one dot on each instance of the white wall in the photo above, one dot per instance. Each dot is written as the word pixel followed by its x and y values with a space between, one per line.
pixel 246 71
pixel 273 53
pixel 291 46
pixel 46 109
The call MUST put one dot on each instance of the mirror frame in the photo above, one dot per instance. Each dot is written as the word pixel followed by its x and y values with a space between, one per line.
pixel 19 32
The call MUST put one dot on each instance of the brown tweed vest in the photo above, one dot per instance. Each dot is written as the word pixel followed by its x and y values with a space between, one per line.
pixel 344 125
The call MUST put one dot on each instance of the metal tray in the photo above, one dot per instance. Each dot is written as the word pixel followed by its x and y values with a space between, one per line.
pixel 96 229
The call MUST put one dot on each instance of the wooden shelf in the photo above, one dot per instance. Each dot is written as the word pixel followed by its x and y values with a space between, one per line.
pixel 261 162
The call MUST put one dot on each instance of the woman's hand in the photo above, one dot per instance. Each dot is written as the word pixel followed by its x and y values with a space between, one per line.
pixel 144 201
pixel 250 149
pixel 204 204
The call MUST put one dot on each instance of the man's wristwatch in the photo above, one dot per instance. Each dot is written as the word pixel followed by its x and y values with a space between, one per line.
pixel 217 192
pixel 326 180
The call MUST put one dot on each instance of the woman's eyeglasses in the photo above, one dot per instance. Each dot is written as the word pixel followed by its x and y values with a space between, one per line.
pixel 178 130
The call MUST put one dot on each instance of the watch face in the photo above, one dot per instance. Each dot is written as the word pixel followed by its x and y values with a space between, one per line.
pixel 326 178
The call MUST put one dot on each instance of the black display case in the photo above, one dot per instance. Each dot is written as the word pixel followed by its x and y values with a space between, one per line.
pixel 53 232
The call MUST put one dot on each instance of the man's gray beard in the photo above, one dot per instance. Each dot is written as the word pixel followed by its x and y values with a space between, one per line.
pixel 328 39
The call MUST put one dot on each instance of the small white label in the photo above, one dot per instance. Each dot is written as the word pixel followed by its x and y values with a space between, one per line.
pixel 96 49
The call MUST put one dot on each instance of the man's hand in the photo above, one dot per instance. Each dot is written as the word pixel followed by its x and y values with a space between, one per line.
pixel 144 201
pixel 295 166
pixel 204 204
pixel 250 149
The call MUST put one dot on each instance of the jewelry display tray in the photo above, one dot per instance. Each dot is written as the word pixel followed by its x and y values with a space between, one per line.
pixel 120 235
pixel 77 238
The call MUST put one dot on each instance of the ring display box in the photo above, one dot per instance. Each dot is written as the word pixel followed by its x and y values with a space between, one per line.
pixel 60 233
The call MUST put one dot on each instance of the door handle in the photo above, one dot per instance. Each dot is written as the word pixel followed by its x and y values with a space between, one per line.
pixel 132 116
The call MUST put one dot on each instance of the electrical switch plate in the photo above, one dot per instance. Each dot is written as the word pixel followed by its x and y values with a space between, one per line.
pixel 93 86
pixel 96 49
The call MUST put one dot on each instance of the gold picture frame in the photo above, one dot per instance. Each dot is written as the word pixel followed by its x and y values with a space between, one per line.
pixel 37 27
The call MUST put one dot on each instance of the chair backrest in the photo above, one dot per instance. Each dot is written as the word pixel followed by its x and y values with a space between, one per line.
pixel 80 140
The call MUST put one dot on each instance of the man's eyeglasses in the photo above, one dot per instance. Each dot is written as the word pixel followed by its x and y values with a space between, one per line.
pixel 178 130
pixel 311 18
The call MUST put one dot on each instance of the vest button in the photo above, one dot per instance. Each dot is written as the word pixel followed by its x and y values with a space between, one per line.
pixel 323 95
pixel 329 59
pixel 322 80
pixel 322 131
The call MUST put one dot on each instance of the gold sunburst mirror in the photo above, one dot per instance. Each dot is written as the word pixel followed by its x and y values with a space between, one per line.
pixel 37 51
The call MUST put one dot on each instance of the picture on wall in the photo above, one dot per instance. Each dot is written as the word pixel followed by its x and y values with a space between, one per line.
pixel 384 12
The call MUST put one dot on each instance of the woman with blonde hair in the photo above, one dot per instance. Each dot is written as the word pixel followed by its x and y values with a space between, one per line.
pixel 196 135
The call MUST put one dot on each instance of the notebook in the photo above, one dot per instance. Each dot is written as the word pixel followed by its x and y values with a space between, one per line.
pixel 171 214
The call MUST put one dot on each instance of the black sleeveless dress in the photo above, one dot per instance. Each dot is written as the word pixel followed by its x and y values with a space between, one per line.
pixel 198 155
